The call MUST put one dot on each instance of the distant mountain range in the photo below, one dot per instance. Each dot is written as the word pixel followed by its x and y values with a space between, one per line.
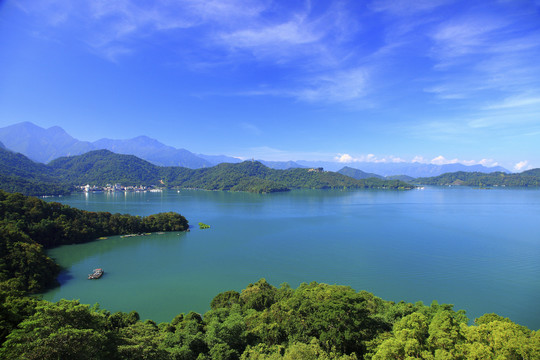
pixel 414 169
pixel 44 145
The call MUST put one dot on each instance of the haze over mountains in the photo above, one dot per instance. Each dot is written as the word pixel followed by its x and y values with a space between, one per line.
pixel 44 145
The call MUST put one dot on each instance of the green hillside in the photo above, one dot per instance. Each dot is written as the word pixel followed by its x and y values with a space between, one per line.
pixel 15 164
pixel 357 173
pixel 529 178
pixel 20 174
pixel 103 167
pixel 255 177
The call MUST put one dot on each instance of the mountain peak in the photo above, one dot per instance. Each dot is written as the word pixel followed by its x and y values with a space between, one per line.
pixel 57 130
pixel 39 144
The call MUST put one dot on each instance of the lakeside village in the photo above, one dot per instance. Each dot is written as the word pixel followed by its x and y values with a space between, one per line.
pixel 118 187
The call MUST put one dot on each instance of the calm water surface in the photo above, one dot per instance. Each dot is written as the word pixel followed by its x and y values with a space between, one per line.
pixel 476 249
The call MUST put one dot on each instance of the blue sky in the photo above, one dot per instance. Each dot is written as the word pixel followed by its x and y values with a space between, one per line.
pixel 432 81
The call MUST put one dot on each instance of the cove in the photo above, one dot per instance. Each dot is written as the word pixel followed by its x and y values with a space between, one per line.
pixel 478 249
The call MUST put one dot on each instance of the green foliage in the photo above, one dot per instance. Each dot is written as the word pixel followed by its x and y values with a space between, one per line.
pixel 225 300
pixel 530 178
pixel 358 174
pixel 103 167
pixel 20 174
pixel 14 306
pixel 258 296
pixel 255 177
pixel 11 183
pixel 63 330
pixel 314 321
pixel 203 226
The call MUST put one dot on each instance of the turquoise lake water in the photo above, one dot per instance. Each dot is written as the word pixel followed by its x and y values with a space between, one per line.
pixel 477 249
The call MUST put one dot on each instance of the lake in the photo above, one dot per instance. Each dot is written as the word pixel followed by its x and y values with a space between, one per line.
pixel 478 249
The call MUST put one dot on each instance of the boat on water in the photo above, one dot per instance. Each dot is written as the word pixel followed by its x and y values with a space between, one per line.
pixel 96 274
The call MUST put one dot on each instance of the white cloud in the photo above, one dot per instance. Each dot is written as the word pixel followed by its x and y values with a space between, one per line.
pixel 484 162
pixel 522 166
pixel 346 158
pixel 441 160
pixel 488 162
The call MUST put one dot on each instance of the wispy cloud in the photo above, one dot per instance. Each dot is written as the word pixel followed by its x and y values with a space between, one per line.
pixel 315 46
pixel 341 86
pixel 344 86
pixel 515 102
pixel 405 7
pixel 283 34
pixel 340 54
pixel 122 23
pixel 482 53
pixel 459 37
pixel 251 128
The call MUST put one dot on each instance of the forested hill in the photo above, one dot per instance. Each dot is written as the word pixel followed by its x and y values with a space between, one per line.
pixel 529 178
pixel 254 176
pixel 103 167
pixel 358 174
pixel 20 174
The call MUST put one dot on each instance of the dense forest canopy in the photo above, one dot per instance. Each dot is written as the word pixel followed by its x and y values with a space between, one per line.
pixel 313 321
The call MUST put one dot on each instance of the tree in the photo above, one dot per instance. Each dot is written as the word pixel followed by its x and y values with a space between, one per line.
pixel 62 330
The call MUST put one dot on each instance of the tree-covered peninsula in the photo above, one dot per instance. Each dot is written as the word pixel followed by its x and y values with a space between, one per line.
pixel 529 178
pixel 29 225
pixel 103 167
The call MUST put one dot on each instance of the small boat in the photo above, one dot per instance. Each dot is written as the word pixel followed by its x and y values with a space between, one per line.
pixel 96 274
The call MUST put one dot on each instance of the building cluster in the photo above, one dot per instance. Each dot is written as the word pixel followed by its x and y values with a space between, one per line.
pixel 117 187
